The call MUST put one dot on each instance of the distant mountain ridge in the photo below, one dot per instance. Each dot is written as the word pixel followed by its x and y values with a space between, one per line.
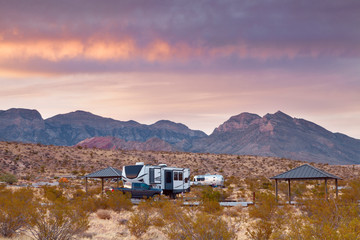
pixel 277 135
pixel 26 125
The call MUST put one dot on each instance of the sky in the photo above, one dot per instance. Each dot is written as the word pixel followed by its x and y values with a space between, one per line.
pixel 194 62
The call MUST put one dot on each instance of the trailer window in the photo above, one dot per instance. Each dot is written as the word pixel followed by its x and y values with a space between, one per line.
pixel 180 176
pixel 176 176
pixel 133 171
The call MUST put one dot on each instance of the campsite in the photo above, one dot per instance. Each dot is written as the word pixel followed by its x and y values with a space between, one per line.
pixel 99 214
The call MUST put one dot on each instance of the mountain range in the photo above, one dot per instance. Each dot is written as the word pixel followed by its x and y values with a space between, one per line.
pixel 277 135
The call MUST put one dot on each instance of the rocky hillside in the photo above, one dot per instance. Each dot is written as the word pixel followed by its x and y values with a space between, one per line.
pixel 282 136
pixel 112 143
pixel 276 135
pixel 25 125
pixel 36 161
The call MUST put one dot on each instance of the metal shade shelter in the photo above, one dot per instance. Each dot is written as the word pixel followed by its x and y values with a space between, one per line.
pixel 304 172
pixel 109 172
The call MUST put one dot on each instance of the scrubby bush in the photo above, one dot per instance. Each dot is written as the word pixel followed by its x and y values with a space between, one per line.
pixel 351 193
pixel 208 226
pixel 59 220
pixel 118 201
pixel 8 178
pixel 140 220
pixel 326 219
pixel 270 219
pixel 208 193
pixel 52 193
pixel 15 209
pixel 211 207
pixel 178 222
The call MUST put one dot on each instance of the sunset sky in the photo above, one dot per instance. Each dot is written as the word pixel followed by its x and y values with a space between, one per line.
pixel 194 62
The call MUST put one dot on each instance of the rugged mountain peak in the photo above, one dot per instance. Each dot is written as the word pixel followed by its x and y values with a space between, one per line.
pixel 77 115
pixel 240 121
pixel 170 125
pixel 21 113
pixel 278 116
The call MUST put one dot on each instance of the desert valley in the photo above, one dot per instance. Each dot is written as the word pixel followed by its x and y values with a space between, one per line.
pixel 180 120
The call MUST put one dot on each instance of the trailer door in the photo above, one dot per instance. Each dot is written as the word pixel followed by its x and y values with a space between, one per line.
pixel 169 185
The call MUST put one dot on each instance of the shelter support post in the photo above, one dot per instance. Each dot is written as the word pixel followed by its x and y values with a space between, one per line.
pixel 86 186
pixel 336 186
pixel 326 192
pixel 118 179
pixel 276 190
pixel 289 191
pixel 102 186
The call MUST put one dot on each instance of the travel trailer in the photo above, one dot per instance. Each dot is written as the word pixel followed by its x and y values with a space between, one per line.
pixel 171 180
pixel 210 180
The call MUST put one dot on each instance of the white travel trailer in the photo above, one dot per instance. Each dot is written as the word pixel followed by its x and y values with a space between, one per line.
pixel 171 180
pixel 210 180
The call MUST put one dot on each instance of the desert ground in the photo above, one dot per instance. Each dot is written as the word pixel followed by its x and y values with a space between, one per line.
pixel 244 175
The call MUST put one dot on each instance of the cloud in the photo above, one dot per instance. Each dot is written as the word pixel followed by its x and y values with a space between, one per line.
pixel 181 59
pixel 141 35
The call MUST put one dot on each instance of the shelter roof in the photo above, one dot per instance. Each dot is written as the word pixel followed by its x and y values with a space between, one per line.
pixel 109 172
pixel 305 171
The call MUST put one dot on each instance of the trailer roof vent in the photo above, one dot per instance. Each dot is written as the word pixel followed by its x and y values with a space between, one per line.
pixel 162 165
pixel 139 163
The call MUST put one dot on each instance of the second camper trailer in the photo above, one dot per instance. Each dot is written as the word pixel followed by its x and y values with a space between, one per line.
pixel 210 180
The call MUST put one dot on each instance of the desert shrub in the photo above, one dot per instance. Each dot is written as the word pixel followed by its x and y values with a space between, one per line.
pixel 15 208
pixel 94 191
pixel 253 184
pixel 139 221
pixel 197 227
pixel 58 221
pixel 210 194
pixel 179 222
pixel 118 201
pixel 231 180
pixel 103 214
pixel 8 178
pixel 270 218
pixel 322 219
pixel 211 207
pixel 96 203
pixel 352 191
pixel 79 194
pixel 52 193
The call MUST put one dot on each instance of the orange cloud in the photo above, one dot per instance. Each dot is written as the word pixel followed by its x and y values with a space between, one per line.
pixel 157 50
pixel 45 49
pixel 105 50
